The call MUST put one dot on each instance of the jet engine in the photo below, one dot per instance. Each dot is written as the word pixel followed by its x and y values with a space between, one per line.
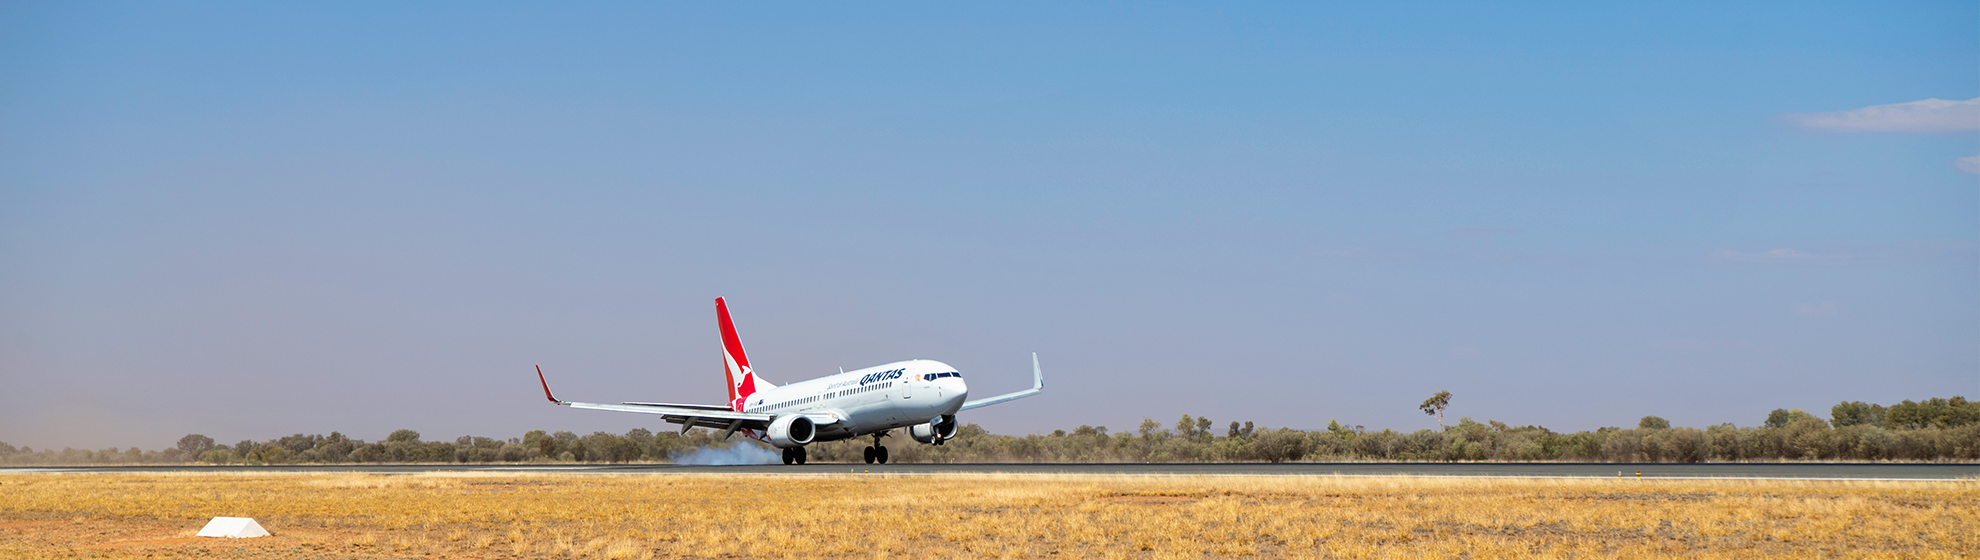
pixel 792 431
pixel 936 431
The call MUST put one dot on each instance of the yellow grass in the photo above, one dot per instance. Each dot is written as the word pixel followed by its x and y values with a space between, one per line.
pixel 51 515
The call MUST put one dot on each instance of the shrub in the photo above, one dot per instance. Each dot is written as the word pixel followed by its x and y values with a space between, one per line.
pixel 1281 445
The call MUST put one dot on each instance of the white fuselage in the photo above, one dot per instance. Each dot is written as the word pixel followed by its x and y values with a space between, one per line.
pixel 869 400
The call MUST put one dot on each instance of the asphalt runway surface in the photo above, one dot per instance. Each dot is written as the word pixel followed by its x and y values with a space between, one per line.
pixel 1811 471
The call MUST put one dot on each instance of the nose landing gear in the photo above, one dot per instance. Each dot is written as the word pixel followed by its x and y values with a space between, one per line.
pixel 876 453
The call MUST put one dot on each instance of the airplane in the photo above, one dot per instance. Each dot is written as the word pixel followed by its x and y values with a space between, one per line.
pixel 922 396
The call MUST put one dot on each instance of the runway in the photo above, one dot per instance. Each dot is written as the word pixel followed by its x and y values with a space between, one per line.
pixel 1811 471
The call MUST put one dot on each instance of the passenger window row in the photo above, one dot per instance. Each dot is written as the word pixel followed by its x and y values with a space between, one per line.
pixel 873 387
pixel 811 399
pixel 845 393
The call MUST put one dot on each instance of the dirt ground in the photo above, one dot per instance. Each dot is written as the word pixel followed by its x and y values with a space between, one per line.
pixel 541 516
pixel 79 536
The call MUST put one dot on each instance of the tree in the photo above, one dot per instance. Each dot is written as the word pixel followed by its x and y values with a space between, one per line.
pixel 1931 413
pixel 1654 423
pixel 1335 429
pixel 1435 406
pixel 1781 417
pixel 540 441
pixel 1186 427
pixel 336 448
pixel 1234 429
pixel 627 448
pixel 1852 413
pixel 567 443
pixel 299 443
pixel 403 435
pixel 194 444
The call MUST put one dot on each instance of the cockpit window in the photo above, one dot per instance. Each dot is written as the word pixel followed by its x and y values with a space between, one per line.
pixel 935 376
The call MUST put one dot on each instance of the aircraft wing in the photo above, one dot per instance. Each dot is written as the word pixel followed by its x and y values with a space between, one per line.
pixel 700 417
pixel 1037 386
pixel 693 406
pixel 687 415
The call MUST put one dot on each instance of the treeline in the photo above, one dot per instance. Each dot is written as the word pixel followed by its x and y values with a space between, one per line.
pixel 1805 438
pixel 1932 430
pixel 402 446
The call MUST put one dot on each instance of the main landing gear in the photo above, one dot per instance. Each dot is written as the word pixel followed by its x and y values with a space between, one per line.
pixel 877 453
pixel 794 456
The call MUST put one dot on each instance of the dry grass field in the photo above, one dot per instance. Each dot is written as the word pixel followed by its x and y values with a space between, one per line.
pixel 45 515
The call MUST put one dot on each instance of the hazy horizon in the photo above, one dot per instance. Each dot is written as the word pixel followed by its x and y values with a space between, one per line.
pixel 252 220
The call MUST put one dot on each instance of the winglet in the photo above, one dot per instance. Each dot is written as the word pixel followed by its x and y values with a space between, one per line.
pixel 546 385
pixel 1037 387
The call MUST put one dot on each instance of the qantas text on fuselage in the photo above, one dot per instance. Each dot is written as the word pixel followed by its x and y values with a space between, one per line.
pixel 922 396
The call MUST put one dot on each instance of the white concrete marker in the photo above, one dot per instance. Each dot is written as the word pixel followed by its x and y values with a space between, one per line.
pixel 233 528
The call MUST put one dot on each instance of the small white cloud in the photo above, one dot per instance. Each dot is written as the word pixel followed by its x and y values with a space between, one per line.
pixel 1968 164
pixel 1815 309
pixel 1929 115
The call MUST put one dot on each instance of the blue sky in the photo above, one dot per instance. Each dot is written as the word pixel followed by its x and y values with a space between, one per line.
pixel 251 220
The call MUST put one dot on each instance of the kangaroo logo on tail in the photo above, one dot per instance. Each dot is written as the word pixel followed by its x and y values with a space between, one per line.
pixel 743 381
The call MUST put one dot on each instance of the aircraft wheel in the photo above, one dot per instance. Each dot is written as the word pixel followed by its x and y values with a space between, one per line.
pixel 787 456
pixel 869 454
pixel 800 454
pixel 880 454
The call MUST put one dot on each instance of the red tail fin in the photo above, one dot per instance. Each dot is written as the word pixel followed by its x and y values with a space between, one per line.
pixel 742 379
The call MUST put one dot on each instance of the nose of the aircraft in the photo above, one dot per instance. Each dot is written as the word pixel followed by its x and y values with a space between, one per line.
pixel 954 390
